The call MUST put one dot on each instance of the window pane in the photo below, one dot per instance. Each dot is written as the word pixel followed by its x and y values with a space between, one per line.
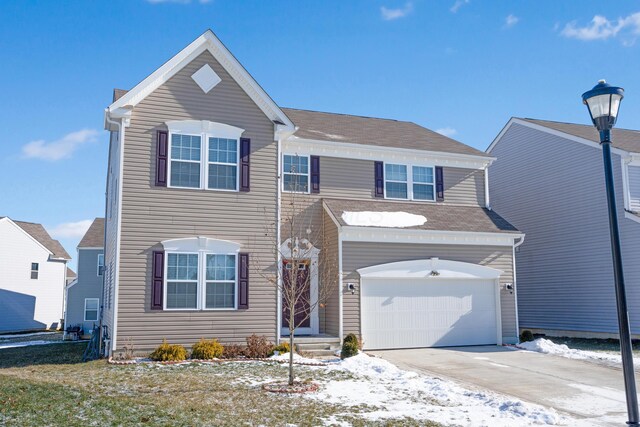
pixel 91 315
pixel 221 267
pixel 34 266
pixel 423 192
pixel 395 172
pixel 182 267
pixel 185 147
pixel 223 150
pixel 220 295
pixel 185 174
pixel 396 190
pixel 91 304
pixel 423 175
pixel 181 295
pixel 297 183
pixel 296 164
pixel 34 274
pixel 222 177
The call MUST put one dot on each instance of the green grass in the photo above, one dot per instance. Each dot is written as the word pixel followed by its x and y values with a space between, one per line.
pixel 48 385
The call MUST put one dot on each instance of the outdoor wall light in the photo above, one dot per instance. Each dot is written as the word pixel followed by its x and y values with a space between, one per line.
pixel 351 287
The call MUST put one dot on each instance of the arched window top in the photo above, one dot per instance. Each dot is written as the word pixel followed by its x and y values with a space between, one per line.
pixel 433 267
pixel 200 243
pixel 220 130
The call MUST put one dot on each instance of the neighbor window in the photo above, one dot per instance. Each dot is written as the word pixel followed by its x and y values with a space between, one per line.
pixel 409 182
pixel 34 270
pixel 185 160
pixel 634 188
pixel 295 172
pixel 182 281
pixel 100 264
pixel 220 281
pixel 223 164
pixel 91 306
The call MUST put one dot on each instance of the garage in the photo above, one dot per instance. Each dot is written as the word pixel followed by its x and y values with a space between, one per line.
pixel 429 303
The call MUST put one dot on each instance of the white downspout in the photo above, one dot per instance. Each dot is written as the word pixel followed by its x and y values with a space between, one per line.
pixel 277 248
pixel 515 284
pixel 487 201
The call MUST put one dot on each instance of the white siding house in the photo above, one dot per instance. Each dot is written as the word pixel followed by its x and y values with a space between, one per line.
pixel 32 277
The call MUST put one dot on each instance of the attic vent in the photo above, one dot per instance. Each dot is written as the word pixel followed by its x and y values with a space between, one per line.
pixel 206 78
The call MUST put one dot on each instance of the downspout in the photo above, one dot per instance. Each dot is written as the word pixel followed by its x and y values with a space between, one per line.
pixel 515 283
pixel 487 201
pixel 277 246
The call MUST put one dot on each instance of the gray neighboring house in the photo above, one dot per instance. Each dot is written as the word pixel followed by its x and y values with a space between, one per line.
pixel 548 181
pixel 84 294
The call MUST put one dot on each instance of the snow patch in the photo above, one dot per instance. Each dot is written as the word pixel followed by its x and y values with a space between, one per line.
pixel 7 337
pixel 542 345
pixel 383 219
pixel 27 343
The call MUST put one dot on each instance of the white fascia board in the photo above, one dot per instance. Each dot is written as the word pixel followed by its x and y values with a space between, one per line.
pixel 389 235
pixel 570 137
pixel 346 150
pixel 207 41
pixel 332 216
pixel 423 268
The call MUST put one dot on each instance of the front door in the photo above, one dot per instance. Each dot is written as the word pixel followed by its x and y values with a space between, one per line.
pixel 305 316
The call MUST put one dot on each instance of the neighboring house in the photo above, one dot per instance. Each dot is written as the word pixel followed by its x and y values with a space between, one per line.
pixel 71 275
pixel 32 277
pixel 199 158
pixel 84 295
pixel 549 182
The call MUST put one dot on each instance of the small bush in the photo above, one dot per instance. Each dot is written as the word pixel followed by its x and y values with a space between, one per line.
pixel 258 347
pixel 168 352
pixel 350 338
pixel 206 349
pixel 526 335
pixel 233 351
pixel 349 348
pixel 281 348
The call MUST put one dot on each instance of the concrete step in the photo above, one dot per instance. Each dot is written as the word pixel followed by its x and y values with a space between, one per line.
pixel 312 339
pixel 320 353
pixel 317 346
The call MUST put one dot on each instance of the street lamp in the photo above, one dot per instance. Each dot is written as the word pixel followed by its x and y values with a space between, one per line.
pixel 603 102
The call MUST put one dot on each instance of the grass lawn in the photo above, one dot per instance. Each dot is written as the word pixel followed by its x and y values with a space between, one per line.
pixel 49 385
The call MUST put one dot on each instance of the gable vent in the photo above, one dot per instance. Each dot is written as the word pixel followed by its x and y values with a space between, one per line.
pixel 206 78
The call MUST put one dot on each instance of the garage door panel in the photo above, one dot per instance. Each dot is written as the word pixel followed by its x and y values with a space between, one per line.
pixel 428 313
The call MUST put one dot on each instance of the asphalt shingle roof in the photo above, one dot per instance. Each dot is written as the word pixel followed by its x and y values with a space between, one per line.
pixel 38 232
pixel 94 237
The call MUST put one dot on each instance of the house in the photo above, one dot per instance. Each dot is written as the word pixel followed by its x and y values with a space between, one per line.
pixel 201 167
pixel 71 275
pixel 33 267
pixel 84 295
pixel 549 182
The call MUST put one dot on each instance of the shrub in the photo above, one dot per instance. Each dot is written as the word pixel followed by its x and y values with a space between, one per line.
pixel 526 335
pixel 206 349
pixel 281 348
pixel 349 348
pixel 258 347
pixel 233 351
pixel 168 352
pixel 350 338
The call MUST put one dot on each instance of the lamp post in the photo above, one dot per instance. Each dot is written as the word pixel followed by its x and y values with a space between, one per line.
pixel 603 102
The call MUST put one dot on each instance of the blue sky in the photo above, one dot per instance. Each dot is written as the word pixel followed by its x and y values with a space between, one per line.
pixel 461 67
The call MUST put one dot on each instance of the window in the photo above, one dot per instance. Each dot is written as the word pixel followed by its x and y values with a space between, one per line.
pixel 182 281
pixel 419 184
pixel 223 164
pixel 100 264
pixel 220 281
pixel 633 179
pixel 185 160
pixel 34 270
pixel 295 171
pixel 91 306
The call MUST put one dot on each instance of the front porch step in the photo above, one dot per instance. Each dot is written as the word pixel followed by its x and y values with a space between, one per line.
pixel 317 346
pixel 320 354
pixel 312 339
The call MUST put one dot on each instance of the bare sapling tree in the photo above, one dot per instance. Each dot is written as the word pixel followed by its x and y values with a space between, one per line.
pixel 306 273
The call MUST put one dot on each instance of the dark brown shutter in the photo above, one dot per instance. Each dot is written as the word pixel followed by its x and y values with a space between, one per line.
pixel 439 184
pixel 157 280
pixel 379 171
pixel 315 174
pixel 245 151
pixel 243 281
pixel 161 158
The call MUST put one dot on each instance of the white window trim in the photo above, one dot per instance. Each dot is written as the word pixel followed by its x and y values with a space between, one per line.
pixel 97 309
pixel 409 181
pixel 633 160
pixel 37 271
pixel 100 256
pixel 205 130
pixel 284 190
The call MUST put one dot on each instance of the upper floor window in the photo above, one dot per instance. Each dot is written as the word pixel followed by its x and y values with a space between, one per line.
pixel 295 173
pixel 409 182
pixel 223 164
pixel 100 264
pixel 34 270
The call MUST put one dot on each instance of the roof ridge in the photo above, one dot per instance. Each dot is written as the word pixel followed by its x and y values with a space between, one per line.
pixel 574 124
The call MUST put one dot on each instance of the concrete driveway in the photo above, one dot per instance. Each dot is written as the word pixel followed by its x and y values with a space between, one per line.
pixel 589 391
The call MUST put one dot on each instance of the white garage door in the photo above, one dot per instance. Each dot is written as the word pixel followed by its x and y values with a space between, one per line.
pixel 428 312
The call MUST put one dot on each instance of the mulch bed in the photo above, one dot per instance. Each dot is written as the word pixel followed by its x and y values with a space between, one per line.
pixel 112 361
pixel 284 387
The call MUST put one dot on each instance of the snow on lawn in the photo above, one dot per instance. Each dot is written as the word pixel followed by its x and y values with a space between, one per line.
pixel 383 219
pixel 7 337
pixel 390 392
pixel 27 343
pixel 542 345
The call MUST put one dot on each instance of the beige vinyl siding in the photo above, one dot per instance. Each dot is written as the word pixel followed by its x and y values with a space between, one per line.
pixel 463 186
pixel 151 214
pixel 330 324
pixel 361 254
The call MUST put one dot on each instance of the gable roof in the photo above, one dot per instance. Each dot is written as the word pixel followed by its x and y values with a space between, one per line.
pixel 347 128
pixel 623 139
pixel 71 274
pixel 38 232
pixel 94 237
pixel 206 42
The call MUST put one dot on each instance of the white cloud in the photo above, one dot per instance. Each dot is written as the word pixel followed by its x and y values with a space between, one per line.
pixel 391 14
pixel 70 230
pixel 447 131
pixel 511 20
pixel 457 5
pixel 602 28
pixel 59 149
